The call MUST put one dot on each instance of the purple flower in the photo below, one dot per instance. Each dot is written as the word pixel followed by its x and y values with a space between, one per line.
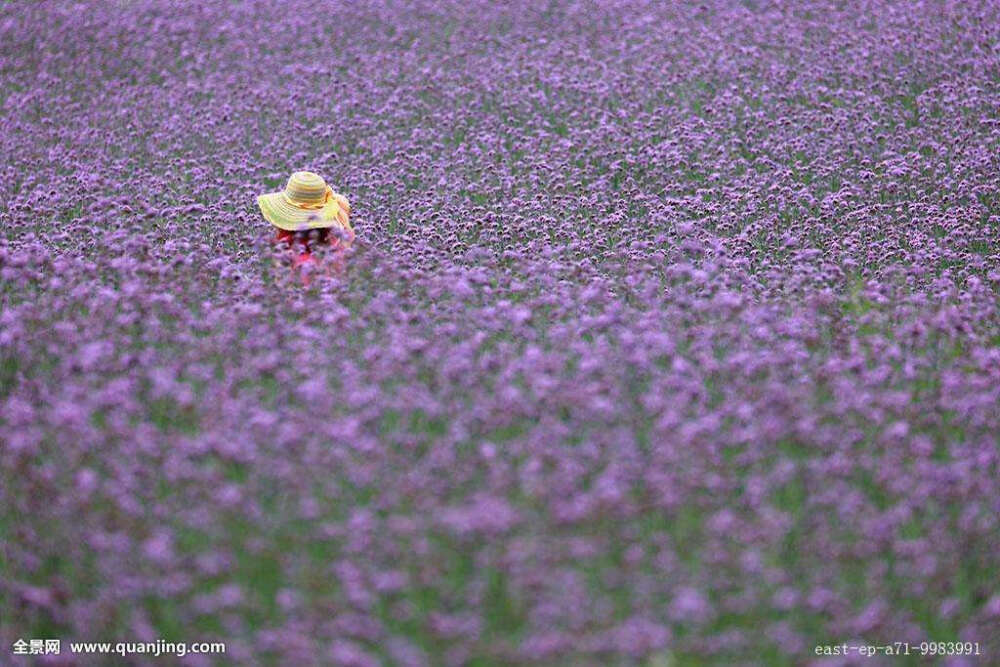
pixel 669 331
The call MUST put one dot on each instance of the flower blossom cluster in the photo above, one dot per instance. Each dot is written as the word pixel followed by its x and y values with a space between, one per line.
pixel 671 334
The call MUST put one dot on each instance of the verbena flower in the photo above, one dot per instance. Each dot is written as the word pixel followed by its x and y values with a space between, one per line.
pixel 673 332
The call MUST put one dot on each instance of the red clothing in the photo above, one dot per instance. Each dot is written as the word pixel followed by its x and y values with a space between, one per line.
pixel 335 241
pixel 305 256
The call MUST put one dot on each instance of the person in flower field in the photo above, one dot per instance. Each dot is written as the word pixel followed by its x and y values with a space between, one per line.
pixel 308 214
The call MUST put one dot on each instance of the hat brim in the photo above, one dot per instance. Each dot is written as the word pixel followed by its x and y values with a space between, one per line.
pixel 283 215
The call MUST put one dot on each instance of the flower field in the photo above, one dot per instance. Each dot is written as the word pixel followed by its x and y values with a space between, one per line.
pixel 671 335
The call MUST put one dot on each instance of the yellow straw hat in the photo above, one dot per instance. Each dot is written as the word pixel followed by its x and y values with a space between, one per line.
pixel 307 202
